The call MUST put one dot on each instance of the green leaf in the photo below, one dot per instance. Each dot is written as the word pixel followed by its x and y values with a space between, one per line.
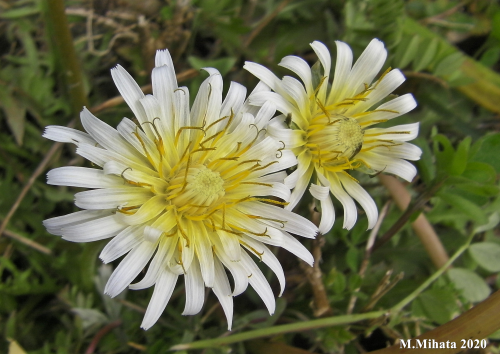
pixel 493 221
pixel 480 172
pixel 459 161
pixel 336 281
pixel 426 166
pixel 406 55
pixel 449 65
pixel 15 114
pixel 429 51
pixel 488 152
pixel 472 286
pixel 352 258
pixel 467 207
pixel 438 304
pixel 222 64
pixel 487 255
pixel 19 12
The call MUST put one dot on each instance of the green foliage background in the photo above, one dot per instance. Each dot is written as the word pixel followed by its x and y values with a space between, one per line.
pixel 51 297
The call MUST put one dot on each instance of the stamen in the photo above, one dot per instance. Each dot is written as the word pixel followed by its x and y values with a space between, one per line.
pixel 252 249
pixel 177 136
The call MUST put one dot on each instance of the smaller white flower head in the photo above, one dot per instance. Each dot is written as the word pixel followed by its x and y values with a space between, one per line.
pixel 333 126
pixel 189 191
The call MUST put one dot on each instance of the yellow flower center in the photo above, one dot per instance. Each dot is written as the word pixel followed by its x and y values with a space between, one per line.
pixel 350 136
pixel 334 142
pixel 207 183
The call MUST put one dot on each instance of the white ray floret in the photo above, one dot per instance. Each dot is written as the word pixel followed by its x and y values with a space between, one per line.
pixel 186 192
pixel 332 133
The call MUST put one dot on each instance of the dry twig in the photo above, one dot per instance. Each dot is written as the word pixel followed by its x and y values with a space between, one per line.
pixel 314 274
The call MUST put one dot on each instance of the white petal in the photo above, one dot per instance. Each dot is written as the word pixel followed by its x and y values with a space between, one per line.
pixel 239 274
pixel 231 244
pixel 266 112
pixel 292 222
pixel 327 210
pixel 203 249
pixel 268 258
pixel 281 104
pixel 342 70
pixel 389 83
pixel 404 132
pixel 292 245
pixel 259 282
pixel 362 197
pixel 122 243
pixel 319 192
pixel 327 216
pixel 404 151
pixel 157 266
pixel 195 294
pixel 234 99
pixel 130 91
pixel 388 164
pixel 164 84
pixel 300 188
pixel 208 101
pixel 163 291
pixel 129 268
pixel 324 57
pixel 294 88
pixel 93 230
pixel 366 67
pixel 389 110
pixel 81 177
pixel 350 211
pixel 163 58
pixel 111 198
pixel 301 68
pixel 150 209
pixel 263 74
pixel 223 292
pixel 55 225
pixel 106 136
pixel 67 135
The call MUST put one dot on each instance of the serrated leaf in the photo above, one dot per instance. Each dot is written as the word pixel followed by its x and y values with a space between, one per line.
pixel 487 255
pixel 471 285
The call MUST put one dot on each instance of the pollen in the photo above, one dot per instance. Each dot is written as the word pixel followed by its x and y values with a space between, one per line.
pixel 350 136
pixel 208 183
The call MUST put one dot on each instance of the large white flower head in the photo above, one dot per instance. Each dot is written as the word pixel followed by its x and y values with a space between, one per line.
pixel 185 189
pixel 333 126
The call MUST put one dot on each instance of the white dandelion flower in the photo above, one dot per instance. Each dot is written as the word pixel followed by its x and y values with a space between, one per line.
pixel 189 191
pixel 333 126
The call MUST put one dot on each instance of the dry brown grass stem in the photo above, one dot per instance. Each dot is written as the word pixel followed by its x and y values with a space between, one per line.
pixel 314 274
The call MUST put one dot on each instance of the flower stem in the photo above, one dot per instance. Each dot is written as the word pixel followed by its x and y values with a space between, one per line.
pixel 270 331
